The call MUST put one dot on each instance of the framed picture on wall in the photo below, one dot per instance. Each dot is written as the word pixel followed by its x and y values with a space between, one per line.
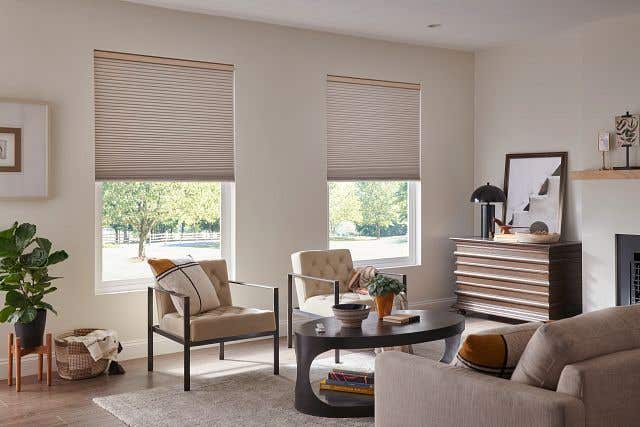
pixel 10 155
pixel 24 149
pixel 535 187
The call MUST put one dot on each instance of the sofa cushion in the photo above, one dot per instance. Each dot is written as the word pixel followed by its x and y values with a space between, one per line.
pixel 186 277
pixel 496 351
pixel 224 321
pixel 321 304
pixel 578 338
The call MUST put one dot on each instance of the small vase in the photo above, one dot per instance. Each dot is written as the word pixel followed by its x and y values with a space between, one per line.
pixel 384 304
pixel 31 333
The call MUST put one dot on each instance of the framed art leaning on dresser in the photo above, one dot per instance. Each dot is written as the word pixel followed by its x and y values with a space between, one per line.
pixel 524 281
pixel 534 184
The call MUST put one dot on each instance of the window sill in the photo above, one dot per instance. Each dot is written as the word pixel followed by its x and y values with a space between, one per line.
pixel 122 286
pixel 383 263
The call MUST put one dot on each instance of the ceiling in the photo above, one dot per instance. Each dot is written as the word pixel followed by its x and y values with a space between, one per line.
pixel 465 24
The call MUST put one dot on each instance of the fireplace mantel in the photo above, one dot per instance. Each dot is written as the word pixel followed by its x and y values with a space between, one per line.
pixel 591 174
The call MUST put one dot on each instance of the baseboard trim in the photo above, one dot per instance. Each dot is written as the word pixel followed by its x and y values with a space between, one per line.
pixel 135 349
pixel 440 303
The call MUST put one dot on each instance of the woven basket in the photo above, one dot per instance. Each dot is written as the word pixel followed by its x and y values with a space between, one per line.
pixel 73 359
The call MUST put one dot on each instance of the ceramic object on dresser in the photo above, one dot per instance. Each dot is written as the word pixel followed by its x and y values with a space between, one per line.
pixel 537 238
pixel 351 315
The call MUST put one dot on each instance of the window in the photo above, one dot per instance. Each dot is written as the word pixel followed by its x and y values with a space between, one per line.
pixel 373 168
pixel 374 220
pixel 137 220
pixel 164 164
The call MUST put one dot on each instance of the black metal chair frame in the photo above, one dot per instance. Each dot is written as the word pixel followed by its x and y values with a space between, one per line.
pixel 186 340
pixel 336 300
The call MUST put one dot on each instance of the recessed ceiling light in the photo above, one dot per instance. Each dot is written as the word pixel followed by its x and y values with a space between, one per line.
pixel 434 25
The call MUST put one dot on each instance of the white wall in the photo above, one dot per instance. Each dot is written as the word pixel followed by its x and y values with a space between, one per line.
pixel 280 182
pixel 555 94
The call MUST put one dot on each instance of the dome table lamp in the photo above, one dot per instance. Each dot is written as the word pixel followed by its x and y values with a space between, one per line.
pixel 487 195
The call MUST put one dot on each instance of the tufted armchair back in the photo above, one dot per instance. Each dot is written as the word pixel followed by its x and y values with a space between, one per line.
pixel 333 264
pixel 216 271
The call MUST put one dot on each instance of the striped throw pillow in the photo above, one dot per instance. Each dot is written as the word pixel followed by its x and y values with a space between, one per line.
pixel 185 276
pixel 497 351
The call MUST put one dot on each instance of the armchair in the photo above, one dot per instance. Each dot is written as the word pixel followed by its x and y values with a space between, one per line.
pixel 322 278
pixel 223 324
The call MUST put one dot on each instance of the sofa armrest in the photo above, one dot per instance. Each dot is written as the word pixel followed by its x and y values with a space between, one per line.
pixel 608 385
pixel 414 391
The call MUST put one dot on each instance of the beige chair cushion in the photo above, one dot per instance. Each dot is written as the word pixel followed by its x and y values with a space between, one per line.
pixel 321 304
pixel 185 276
pixel 334 264
pixel 225 321
pixel 216 270
pixel 578 338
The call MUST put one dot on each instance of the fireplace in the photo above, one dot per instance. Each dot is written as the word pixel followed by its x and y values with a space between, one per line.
pixel 627 269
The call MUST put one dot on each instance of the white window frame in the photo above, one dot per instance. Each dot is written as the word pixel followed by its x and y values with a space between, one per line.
pixel 413 213
pixel 227 248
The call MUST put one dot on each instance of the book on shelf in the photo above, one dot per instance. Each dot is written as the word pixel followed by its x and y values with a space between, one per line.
pixel 369 374
pixel 324 385
pixel 401 319
pixel 351 376
pixel 348 383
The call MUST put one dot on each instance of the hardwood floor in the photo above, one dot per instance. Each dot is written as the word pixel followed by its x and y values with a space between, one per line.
pixel 70 402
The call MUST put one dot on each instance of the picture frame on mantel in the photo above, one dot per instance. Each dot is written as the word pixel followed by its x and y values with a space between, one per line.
pixel 535 186
pixel 24 140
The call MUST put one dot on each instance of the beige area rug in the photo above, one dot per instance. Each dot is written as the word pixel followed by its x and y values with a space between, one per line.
pixel 248 398
pixel 245 399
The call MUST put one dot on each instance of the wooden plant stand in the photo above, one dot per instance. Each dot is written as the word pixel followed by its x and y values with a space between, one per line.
pixel 15 350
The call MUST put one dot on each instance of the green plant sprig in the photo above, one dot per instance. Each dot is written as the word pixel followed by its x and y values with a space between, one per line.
pixel 380 285
pixel 24 276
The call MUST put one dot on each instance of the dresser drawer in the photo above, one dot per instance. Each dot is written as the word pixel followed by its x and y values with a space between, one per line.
pixel 528 306
pixel 503 253
pixel 503 291
pixel 515 270
pixel 497 310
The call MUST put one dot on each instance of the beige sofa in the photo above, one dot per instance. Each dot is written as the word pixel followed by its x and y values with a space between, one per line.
pixel 583 371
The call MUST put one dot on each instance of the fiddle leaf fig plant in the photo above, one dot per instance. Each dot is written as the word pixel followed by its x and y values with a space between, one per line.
pixel 24 276
pixel 381 285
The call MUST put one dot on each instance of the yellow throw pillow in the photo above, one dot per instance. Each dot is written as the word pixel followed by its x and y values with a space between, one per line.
pixel 496 351
pixel 185 276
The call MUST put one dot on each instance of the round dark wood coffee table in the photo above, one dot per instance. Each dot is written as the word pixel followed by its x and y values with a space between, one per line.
pixel 433 325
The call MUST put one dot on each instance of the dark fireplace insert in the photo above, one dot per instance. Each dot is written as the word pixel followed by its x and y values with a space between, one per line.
pixel 627 269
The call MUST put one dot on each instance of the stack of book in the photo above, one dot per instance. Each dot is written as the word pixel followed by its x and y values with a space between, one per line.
pixel 401 319
pixel 348 382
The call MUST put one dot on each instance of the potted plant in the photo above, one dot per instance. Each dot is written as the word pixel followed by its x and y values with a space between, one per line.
pixel 24 262
pixel 384 289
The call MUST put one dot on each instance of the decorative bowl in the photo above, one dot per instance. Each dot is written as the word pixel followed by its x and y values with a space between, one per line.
pixel 351 315
pixel 537 238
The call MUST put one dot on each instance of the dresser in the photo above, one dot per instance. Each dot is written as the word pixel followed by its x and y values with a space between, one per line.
pixel 518 280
